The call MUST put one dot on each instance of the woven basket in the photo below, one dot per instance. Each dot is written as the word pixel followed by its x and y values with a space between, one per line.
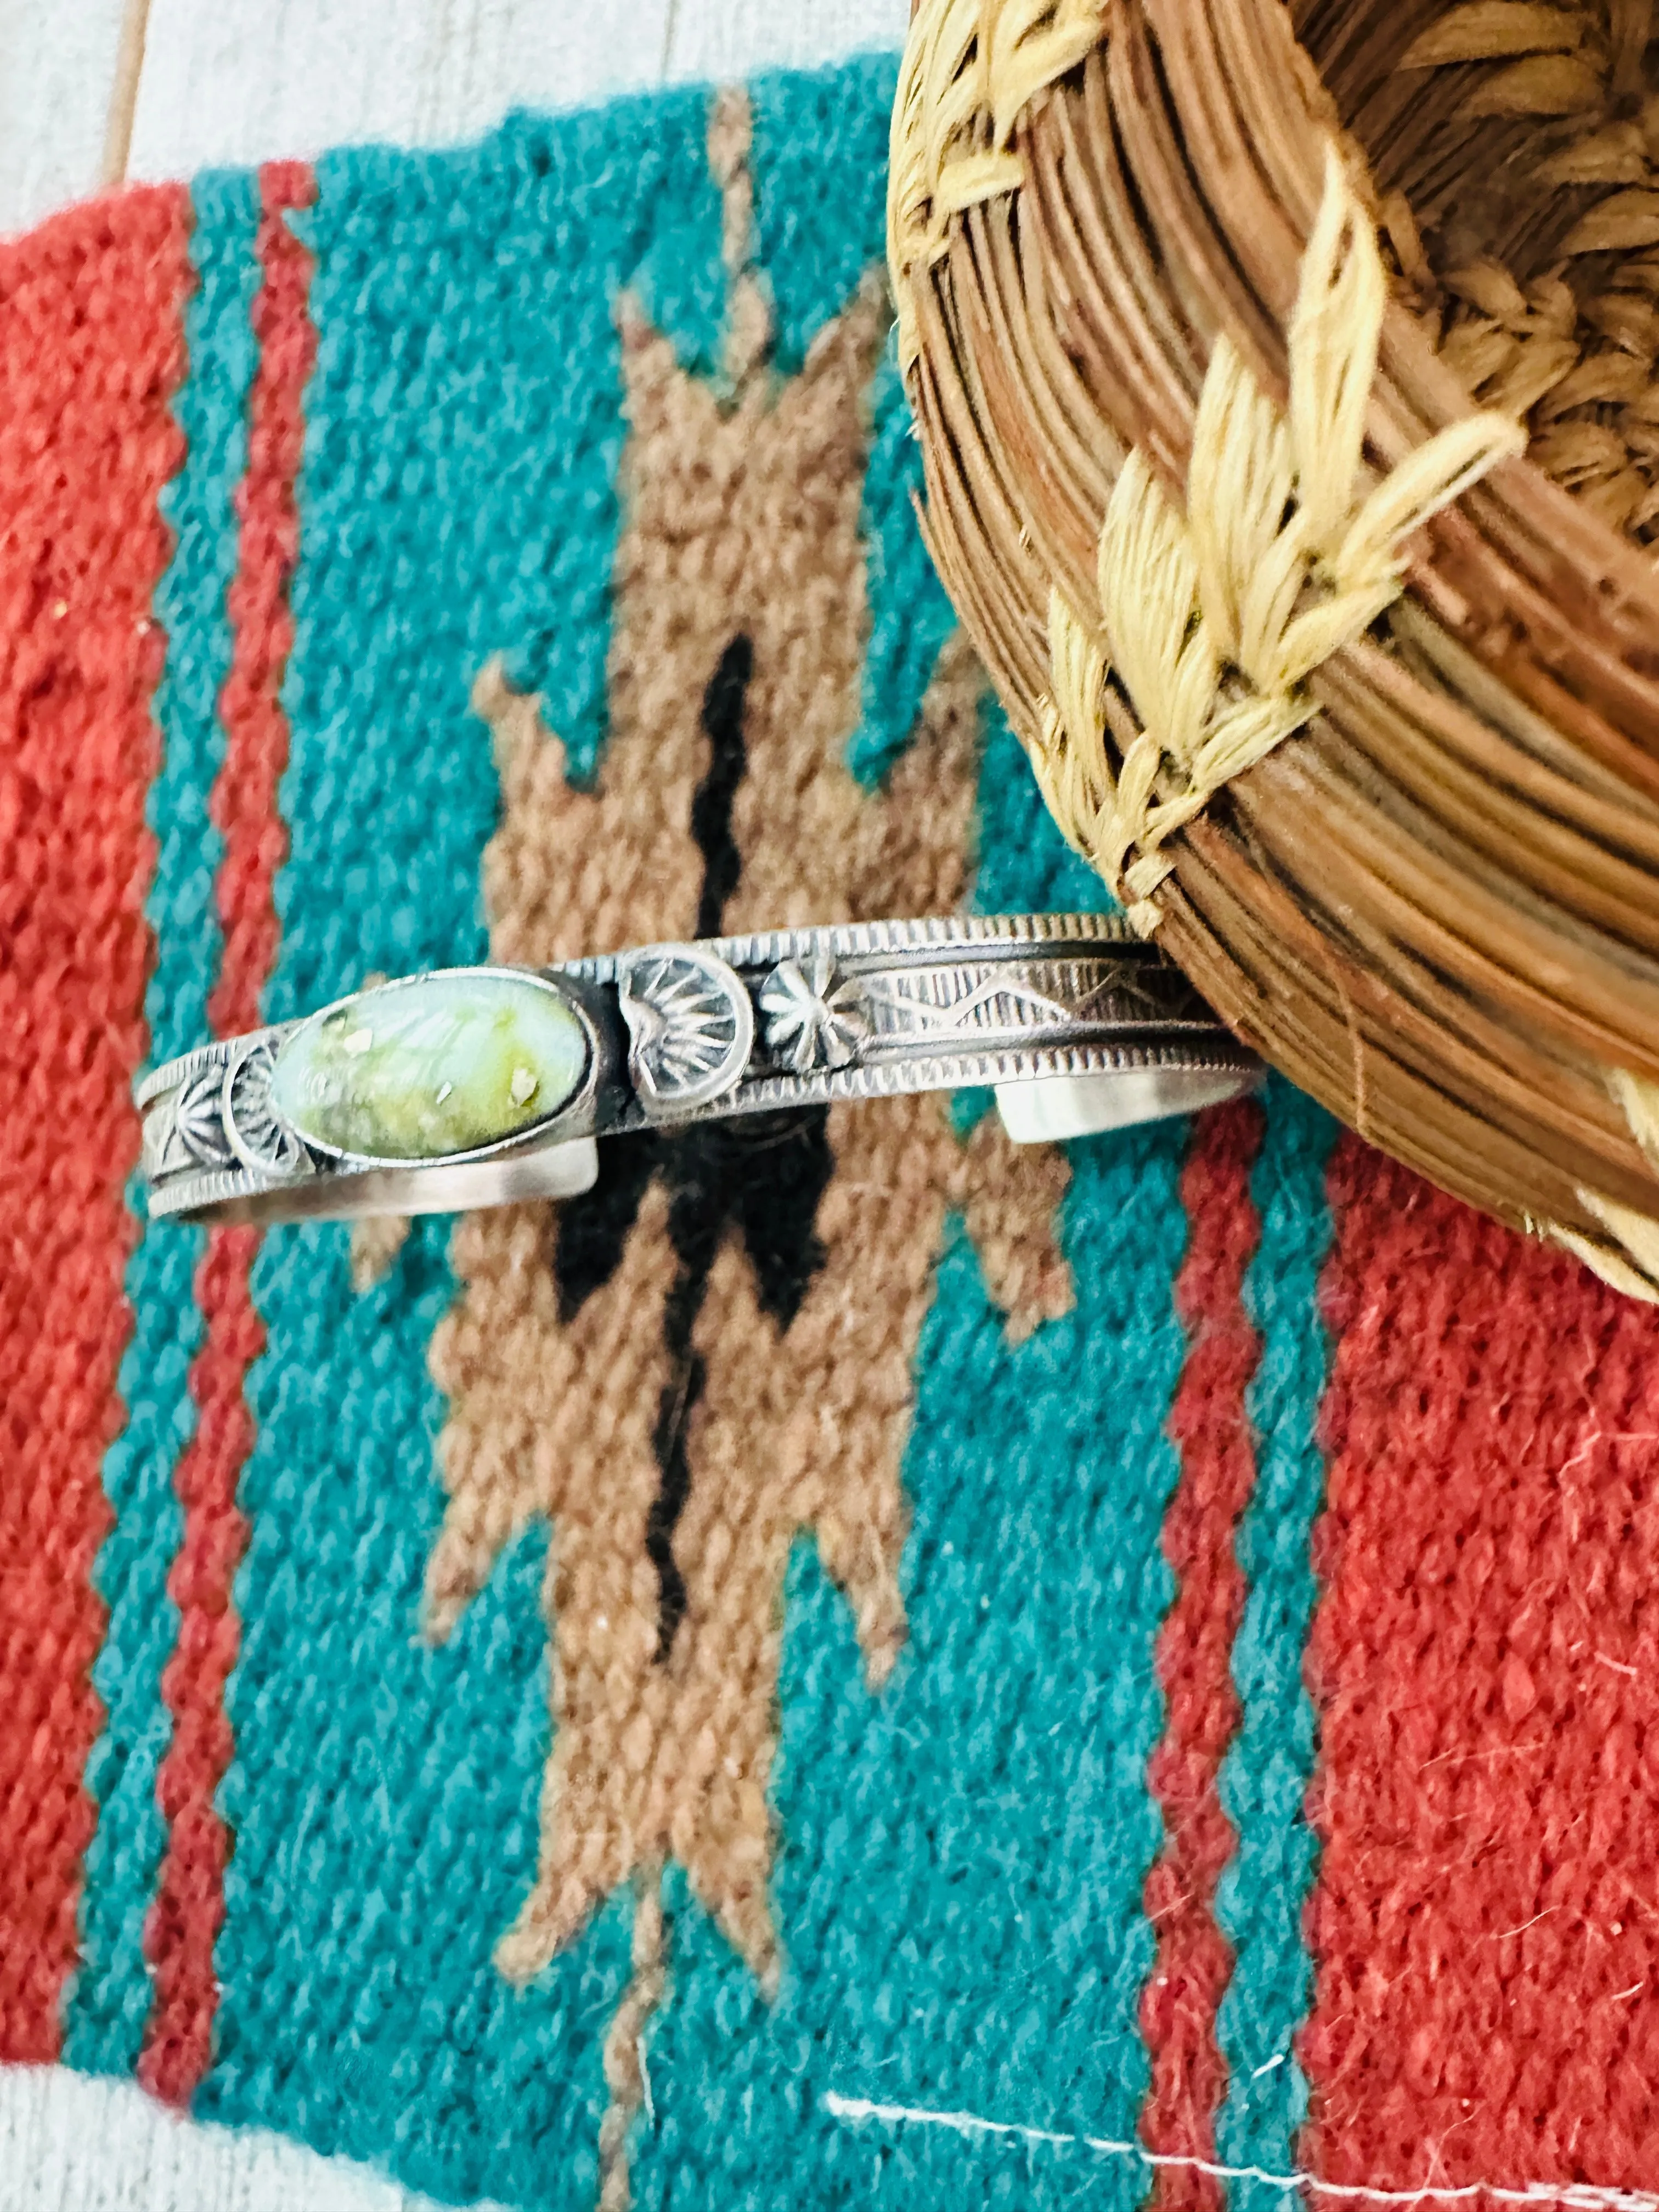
pixel 1224 325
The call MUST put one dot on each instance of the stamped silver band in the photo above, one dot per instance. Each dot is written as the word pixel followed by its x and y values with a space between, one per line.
pixel 472 1086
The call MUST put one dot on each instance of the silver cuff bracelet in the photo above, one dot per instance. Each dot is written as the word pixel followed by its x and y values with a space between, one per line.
pixel 472 1086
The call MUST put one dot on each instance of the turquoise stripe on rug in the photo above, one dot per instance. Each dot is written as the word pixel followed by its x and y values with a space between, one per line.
pixel 109 2000
pixel 820 170
pixel 910 617
pixel 1264 1779
pixel 816 245
pixel 463 429
pixel 1026 865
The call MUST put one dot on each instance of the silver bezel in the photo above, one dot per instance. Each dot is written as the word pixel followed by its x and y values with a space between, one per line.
pixel 567 1114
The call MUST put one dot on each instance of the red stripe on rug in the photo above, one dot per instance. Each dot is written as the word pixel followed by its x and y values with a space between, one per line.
pixel 246 797
pixel 1209 1422
pixel 189 1908
pixel 1485 1658
pixel 91 349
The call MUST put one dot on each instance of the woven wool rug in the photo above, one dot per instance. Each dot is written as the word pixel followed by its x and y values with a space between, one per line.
pixel 900 1672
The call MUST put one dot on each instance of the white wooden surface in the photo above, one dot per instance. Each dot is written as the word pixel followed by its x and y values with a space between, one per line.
pixel 244 81
pixel 57 82
pixel 70 2144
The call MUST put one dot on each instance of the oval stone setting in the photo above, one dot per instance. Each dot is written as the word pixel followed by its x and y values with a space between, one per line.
pixel 437 1065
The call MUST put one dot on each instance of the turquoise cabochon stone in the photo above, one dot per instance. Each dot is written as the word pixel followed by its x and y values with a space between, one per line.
pixel 435 1066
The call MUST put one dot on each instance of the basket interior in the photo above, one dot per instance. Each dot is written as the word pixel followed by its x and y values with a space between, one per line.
pixel 1516 147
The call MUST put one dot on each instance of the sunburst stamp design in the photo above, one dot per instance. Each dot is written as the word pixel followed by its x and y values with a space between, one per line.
pixel 690 1029
pixel 200 1119
pixel 259 1134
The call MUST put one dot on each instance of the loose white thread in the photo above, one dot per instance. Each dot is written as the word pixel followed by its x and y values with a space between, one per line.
pixel 1583 2196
